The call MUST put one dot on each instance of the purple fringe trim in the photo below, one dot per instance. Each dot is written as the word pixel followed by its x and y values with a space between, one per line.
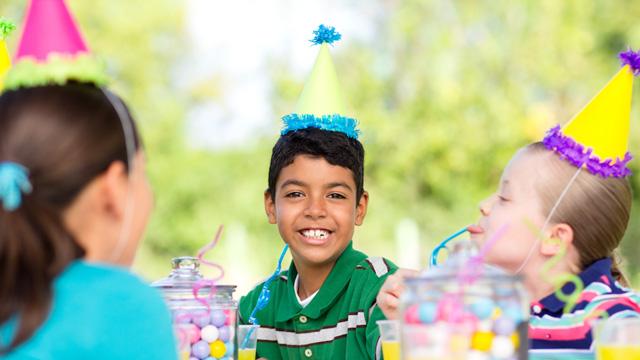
pixel 579 155
pixel 632 59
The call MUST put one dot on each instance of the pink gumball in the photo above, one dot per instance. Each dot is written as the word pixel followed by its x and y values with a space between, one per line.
pixel 194 334
pixel 420 336
pixel 231 316
pixel 411 315
pixel 449 309
pixel 468 319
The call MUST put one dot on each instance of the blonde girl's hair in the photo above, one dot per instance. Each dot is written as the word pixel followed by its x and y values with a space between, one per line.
pixel 596 208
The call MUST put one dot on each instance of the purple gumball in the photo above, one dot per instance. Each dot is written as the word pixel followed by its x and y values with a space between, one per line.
pixel 200 349
pixel 181 316
pixel 504 325
pixel 224 334
pixel 201 318
pixel 218 318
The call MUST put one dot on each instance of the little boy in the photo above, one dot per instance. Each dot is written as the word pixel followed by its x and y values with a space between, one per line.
pixel 324 306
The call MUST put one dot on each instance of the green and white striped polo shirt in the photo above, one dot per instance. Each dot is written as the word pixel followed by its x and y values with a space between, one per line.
pixel 339 323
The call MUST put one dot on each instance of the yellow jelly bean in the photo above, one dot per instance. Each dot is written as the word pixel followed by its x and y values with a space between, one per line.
pixel 218 349
pixel 516 339
pixel 496 313
pixel 481 341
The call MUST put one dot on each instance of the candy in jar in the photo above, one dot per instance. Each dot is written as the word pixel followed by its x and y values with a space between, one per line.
pixel 458 311
pixel 201 333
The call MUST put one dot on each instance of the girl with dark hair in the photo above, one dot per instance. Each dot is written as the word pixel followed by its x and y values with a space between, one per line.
pixel 70 224
pixel 74 202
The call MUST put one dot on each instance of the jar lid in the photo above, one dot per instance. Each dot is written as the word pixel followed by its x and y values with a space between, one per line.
pixel 462 255
pixel 185 274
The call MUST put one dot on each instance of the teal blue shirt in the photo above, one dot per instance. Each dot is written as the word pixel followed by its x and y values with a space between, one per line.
pixel 99 311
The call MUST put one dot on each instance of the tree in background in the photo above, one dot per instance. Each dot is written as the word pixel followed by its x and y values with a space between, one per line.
pixel 446 91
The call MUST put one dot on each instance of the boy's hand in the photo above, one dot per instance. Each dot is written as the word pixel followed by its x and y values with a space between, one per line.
pixel 390 291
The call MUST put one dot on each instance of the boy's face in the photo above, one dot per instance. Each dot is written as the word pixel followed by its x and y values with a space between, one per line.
pixel 315 207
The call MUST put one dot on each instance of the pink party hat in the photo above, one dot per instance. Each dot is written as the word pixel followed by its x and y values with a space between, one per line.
pixel 49 28
pixel 52 50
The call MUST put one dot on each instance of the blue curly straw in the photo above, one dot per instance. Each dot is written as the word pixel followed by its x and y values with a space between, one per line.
pixel 443 245
pixel 264 297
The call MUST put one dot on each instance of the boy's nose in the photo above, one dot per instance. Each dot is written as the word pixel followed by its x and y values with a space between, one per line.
pixel 316 208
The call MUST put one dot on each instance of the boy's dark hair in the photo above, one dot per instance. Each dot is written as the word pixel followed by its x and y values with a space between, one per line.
pixel 335 147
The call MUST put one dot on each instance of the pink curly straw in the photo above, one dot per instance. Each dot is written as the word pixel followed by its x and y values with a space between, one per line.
pixel 202 283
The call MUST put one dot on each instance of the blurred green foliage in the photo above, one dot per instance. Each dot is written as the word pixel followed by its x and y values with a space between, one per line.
pixel 446 93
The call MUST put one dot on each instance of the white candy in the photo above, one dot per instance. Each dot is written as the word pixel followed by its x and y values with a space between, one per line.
pixel 485 326
pixel 209 333
pixel 502 347
pixel 477 355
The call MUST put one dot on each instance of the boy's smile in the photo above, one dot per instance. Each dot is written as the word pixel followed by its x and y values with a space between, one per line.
pixel 315 207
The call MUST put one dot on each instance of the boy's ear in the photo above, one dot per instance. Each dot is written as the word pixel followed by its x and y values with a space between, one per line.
pixel 270 207
pixel 561 237
pixel 361 208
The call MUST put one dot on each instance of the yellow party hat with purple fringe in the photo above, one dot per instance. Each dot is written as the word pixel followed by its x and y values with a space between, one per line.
pixel 597 136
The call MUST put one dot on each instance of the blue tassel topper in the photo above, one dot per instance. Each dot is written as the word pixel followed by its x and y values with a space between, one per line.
pixel 325 34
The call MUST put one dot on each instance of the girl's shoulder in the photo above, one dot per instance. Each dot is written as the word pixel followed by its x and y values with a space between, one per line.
pixel 96 274
pixel 105 290
pixel 101 311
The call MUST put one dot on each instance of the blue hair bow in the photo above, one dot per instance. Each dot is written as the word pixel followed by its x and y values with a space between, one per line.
pixel 14 180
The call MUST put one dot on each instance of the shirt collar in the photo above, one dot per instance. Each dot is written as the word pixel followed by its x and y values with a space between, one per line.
pixel 328 294
pixel 587 276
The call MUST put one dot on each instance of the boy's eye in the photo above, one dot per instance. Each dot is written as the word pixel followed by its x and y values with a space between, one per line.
pixel 293 194
pixel 336 196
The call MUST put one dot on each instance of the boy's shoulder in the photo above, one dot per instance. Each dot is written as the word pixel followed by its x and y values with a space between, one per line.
pixel 376 266
pixel 371 269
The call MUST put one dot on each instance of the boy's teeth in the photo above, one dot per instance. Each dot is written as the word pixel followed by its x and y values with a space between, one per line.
pixel 315 234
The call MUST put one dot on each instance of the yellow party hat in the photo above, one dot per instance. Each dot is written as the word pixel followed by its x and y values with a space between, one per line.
pixel 321 104
pixel 597 136
pixel 6 27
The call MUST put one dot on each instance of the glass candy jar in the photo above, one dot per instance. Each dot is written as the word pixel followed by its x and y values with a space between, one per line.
pixel 458 311
pixel 209 335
